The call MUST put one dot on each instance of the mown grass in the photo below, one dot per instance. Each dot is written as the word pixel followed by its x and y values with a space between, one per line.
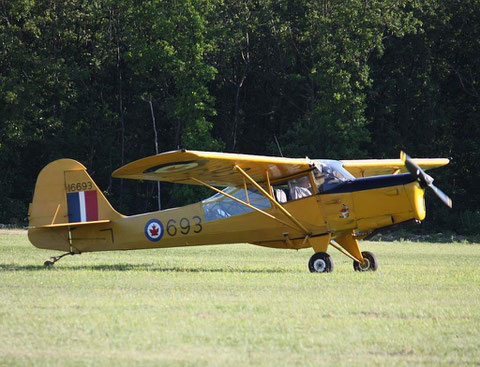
pixel 239 305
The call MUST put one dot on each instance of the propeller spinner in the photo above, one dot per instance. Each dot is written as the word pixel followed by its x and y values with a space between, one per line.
pixel 424 179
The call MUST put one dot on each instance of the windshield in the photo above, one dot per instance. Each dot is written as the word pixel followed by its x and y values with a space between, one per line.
pixel 329 173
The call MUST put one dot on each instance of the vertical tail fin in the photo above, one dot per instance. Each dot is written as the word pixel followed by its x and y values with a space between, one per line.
pixel 65 193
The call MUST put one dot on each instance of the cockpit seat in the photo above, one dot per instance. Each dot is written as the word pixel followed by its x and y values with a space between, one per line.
pixel 280 196
pixel 298 192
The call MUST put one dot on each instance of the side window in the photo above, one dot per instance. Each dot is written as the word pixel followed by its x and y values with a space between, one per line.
pixel 219 206
pixel 300 187
pixel 294 189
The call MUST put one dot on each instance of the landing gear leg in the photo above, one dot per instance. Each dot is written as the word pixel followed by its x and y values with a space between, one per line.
pixel 320 262
pixel 49 263
pixel 370 263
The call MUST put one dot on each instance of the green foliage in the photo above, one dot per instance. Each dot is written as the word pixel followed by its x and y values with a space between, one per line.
pixel 470 221
pixel 327 79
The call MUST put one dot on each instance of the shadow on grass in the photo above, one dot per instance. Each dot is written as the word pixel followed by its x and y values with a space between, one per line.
pixel 138 267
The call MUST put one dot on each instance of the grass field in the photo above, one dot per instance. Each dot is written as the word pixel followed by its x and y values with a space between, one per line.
pixel 239 305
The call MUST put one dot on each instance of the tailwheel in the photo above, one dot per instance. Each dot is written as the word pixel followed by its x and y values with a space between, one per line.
pixel 320 262
pixel 49 263
pixel 370 264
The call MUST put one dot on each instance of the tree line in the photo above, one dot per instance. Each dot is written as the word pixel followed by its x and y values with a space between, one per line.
pixel 103 81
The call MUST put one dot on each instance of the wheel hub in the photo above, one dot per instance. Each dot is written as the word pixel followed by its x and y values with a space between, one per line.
pixel 365 265
pixel 319 265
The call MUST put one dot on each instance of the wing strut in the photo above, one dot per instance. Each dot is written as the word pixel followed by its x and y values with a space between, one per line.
pixel 274 202
pixel 242 202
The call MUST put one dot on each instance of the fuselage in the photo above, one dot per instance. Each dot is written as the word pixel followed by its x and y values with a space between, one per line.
pixel 361 205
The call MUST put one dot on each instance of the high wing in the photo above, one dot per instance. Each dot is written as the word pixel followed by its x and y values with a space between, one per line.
pixel 218 169
pixel 376 167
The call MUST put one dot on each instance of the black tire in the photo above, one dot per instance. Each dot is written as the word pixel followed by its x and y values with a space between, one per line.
pixel 48 264
pixel 371 262
pixel 320 262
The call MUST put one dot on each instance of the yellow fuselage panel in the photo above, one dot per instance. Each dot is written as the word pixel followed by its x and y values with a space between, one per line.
pixel 381 201
pixel 338 211
pixel 385 206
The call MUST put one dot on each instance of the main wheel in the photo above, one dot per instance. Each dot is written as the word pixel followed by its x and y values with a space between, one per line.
pixel 320 262
pixel 48 264
pixel 370 264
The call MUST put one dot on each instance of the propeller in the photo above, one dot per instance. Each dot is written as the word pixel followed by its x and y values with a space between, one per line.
pixel 424 179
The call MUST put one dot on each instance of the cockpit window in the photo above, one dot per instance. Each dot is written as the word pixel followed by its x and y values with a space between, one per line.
pixel 219 206
pixel 329 174
pixel 300 187
pixel 293 189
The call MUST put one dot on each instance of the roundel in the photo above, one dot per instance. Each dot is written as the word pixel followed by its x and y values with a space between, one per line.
pixel 154 230
pixel 176 167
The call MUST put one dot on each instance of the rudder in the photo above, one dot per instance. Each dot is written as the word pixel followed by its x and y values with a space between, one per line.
pixel 65 193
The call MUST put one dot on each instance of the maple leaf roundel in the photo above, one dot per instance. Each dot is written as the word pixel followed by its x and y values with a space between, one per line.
pixel 154 230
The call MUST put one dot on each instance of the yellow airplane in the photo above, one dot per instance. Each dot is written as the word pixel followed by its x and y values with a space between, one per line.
pixel 285 203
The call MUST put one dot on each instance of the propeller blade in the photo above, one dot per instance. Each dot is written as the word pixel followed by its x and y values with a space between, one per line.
pixel 415 170
pixel 442 196
pixel 424 179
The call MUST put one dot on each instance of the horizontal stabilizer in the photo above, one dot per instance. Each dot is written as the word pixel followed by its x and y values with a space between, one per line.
pixel 75 224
